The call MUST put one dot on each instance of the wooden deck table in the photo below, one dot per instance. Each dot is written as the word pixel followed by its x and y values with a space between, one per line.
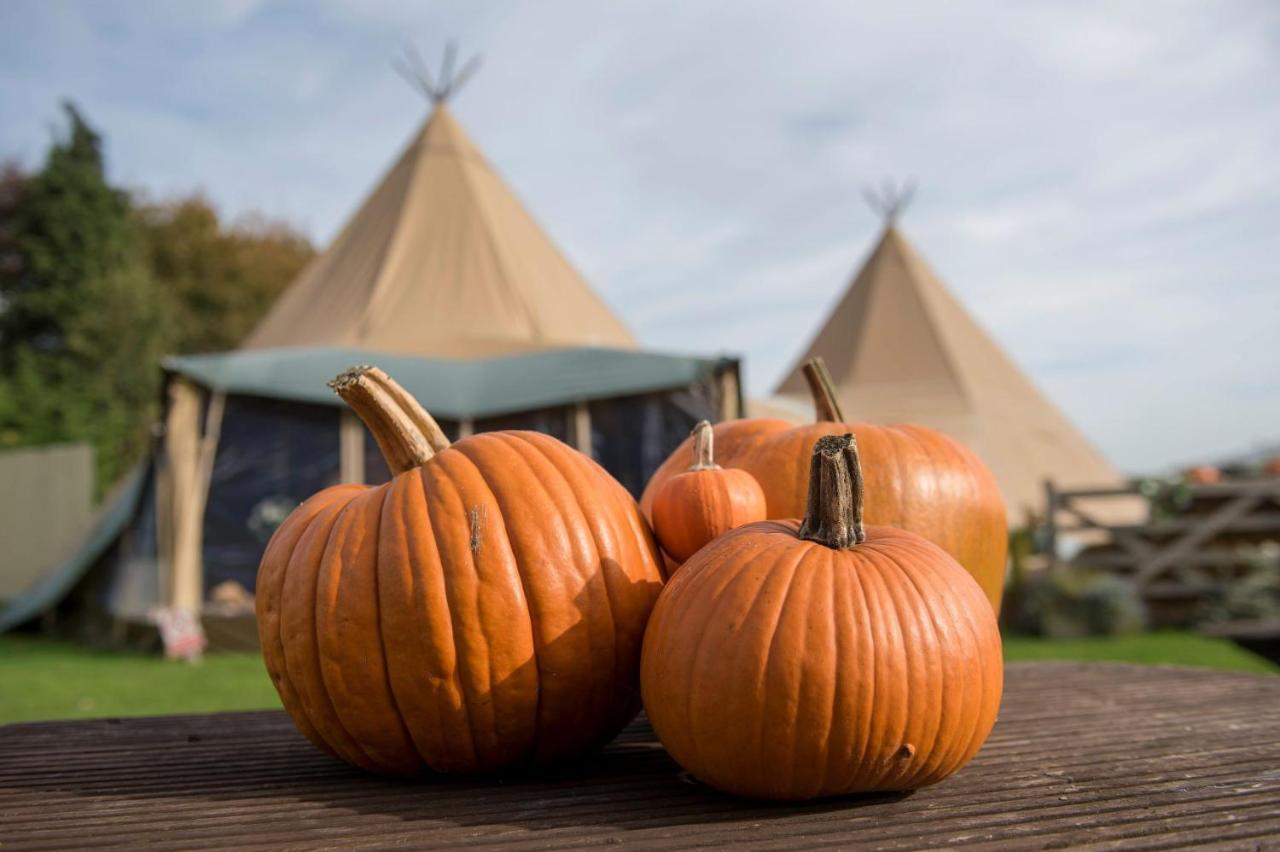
pixel 1103 756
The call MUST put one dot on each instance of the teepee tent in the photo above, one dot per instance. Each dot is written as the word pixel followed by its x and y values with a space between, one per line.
pixel 900 348
pixel 443 279
pixel 441 260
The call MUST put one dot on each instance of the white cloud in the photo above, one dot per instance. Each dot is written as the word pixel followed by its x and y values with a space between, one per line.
pixel 1098 182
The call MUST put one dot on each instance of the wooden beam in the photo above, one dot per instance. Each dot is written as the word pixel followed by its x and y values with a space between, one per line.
pixel 1051 523
pixel 189 455
pixel 351 448
pixel 582 427
pixel 730 394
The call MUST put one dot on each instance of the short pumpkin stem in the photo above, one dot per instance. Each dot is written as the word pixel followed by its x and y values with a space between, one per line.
pixel 834 513
pixel 826 405
pixel 703 443
pixel 407 435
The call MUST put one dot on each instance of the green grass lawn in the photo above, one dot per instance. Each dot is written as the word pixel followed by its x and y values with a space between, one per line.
pixel 1164 648
pixel 44 679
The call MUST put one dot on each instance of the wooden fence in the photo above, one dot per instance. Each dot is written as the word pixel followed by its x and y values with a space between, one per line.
pixel 1194 549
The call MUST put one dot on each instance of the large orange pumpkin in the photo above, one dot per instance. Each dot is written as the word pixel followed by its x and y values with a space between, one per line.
pixel 799 659
pixel 704 502
pixel 484 608
pixel 918 479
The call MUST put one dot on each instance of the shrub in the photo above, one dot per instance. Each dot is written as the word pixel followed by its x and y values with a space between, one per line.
pixel 1081 601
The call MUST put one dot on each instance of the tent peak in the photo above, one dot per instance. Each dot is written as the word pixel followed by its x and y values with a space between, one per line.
pixel 441 88
pixel 891 200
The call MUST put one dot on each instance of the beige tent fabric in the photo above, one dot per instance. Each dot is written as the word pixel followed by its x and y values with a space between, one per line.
pixel 441 260
pixel 902 349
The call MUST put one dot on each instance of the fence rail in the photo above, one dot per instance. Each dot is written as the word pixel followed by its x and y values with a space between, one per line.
pixel 1199 549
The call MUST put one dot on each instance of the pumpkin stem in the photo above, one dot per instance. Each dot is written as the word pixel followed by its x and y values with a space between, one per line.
pixel 703 440
pixel 834 513
pixel 407 435
pixel 826 405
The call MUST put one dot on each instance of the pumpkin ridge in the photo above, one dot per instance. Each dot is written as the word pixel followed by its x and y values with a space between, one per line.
pixel 795 559
pixel 831 593
pixel 270 595
pixel 447 567
pixel 889 609
pixel 415 669
pixel 354 705
pixel 500 526
pixel 945 591
pixel 912 662
pixel 842 652
pixel 758 601
pixel 526 581
pixel 688 679
pixel 636 548
pixel 611 607
pixel 865 642
pixel 535 642
pixel 807 573
pixel 977 736
pixel 382 642
pixel 317 685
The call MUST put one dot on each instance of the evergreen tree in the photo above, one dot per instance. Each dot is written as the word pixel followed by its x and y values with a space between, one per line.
pixel 80 316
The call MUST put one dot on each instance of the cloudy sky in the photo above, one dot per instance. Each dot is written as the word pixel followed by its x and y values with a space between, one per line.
pixel 1099 182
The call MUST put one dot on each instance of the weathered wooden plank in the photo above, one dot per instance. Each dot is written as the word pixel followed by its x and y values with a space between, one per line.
pixel 1102 754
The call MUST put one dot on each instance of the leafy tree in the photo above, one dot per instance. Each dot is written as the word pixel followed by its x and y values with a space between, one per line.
pixel 80 316
pixel 218 280
pixel 95 288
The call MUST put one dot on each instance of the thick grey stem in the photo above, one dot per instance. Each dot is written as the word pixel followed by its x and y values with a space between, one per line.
pixel 834 513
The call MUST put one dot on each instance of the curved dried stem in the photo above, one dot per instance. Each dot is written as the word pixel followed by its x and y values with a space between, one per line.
pixel 407 435
pixel 826 405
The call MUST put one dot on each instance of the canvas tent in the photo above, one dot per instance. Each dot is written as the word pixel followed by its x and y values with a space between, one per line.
pixel 444 280
pixel 441 215
pixel 901 348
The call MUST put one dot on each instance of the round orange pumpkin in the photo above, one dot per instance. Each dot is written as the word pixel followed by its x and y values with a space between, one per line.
pixel 704 502
pixel 799 659
pixel 485 608
pixel 918 479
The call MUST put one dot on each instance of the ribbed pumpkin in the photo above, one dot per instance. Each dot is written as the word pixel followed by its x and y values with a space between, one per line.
pixel 800 659
pixel 917 479
pixel 704 502
pixel 485 608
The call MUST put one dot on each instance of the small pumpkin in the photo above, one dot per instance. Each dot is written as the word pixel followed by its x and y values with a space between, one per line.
pixel 484 608
pixel 704 502
pixel 800 659
pixel 918 479
pixel 1202 474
